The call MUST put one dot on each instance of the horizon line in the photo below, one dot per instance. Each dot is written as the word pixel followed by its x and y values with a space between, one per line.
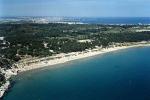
pixel 86 16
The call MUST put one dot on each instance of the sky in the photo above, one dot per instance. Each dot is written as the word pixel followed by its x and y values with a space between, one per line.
pixel 76 8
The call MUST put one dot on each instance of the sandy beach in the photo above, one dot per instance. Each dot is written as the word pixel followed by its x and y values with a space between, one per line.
pixel 62 58
pixel 58 59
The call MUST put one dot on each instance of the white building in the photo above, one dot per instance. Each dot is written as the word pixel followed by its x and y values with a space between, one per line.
pixel 1 38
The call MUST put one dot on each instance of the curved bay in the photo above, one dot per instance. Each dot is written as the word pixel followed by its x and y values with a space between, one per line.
pixel 120 75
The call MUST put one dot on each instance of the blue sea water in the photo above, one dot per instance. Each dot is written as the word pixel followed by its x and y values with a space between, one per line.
pixel 116 20
pixel 119 75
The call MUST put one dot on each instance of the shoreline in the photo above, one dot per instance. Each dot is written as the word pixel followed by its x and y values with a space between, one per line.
pixel 60 59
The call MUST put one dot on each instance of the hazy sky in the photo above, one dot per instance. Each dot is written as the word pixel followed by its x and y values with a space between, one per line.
pixel 86 8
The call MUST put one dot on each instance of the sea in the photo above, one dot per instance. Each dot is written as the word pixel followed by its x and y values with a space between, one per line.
pixel 118 75
pixel 117 20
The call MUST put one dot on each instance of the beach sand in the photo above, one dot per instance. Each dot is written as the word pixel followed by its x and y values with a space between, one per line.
pixel 62 58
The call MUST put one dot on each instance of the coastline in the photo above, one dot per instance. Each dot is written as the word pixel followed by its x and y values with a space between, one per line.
pixel 59 59
pixel 62 58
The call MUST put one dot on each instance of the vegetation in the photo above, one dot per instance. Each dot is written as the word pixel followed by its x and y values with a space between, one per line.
pixel 47 39
pixel 40 40
pixel 2 79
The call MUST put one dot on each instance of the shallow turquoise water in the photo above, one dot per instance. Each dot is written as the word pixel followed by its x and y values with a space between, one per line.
pixel 121 75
